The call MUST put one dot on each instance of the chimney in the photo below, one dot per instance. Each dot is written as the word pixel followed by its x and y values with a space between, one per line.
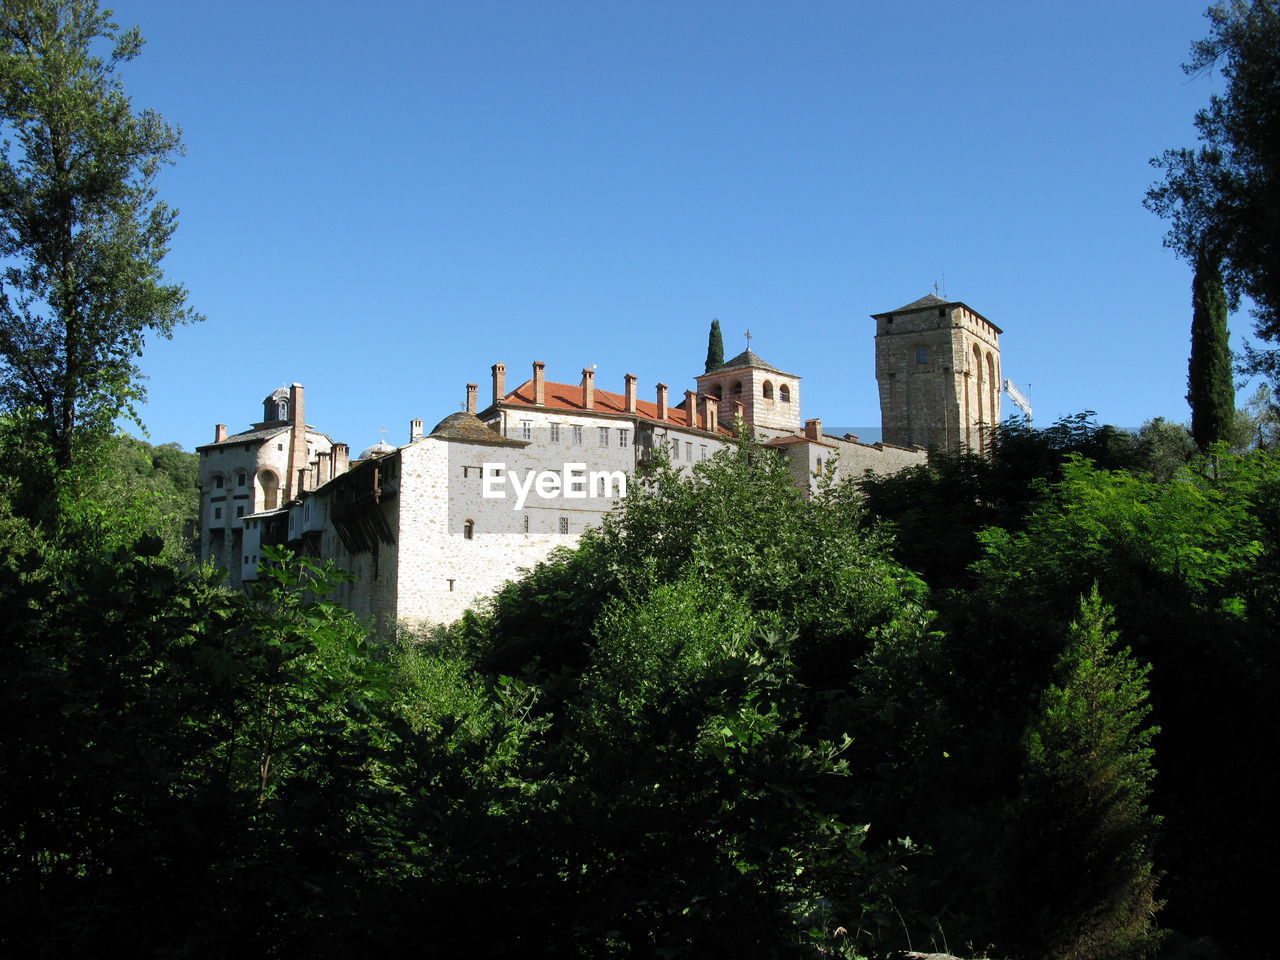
pixel 472 390
pixel 710 413
pixel 297 442
pixel 739 411
pixel 813 429
pixel 662 401
pixel 539 383
pixel 341 458
pixel 219 432
pixel 588 388
pixel 324 467
pixel 691 407
pixel 630 391
pixel 415 429
pixel 301 482
pixel 499 381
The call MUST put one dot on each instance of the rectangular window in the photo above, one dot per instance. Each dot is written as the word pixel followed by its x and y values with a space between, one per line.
pixel 217 513
pixel 624 438
pixel 555 433
pixel 279 446
pixel 577 434
pixel 675 449
pixel 217 482
pixel 604 436
pixel 688 451
pixel 564 524
pixel 704 451
pixel 526 429
pixel 239 511
pixel 922 354
pixel 239 479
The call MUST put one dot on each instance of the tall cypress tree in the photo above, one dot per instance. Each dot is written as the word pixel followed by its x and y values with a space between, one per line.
pixel 715 348
pixel 1209 388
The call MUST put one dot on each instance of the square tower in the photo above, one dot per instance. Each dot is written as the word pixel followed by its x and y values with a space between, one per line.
pixel 938 367
pixel 770 398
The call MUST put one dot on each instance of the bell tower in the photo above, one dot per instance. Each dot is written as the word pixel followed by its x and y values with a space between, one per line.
pixel 938 367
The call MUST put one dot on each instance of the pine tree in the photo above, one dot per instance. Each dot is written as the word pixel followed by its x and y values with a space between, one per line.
pixel 715 348
pixel 1209 388
pixel 1080 884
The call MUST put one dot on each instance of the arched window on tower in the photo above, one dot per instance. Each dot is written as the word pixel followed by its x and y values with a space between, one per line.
pixel 993 385
pixel 980 391
pixel 468 529
pixel 784 393
pixel 737 388
pixel 768 390
pixel 718 391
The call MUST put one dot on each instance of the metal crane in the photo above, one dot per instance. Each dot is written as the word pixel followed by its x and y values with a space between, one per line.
pixel 1017 397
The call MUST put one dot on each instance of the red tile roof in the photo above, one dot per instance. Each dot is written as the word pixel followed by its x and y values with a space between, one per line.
pixel 564 396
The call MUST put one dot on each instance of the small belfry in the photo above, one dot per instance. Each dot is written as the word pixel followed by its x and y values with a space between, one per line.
pixel 938 368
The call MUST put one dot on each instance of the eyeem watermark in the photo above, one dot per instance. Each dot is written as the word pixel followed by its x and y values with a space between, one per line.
pixel 572 482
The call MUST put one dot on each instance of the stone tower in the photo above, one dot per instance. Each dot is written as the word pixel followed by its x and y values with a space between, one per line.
pixel 770 398
pixel 938 366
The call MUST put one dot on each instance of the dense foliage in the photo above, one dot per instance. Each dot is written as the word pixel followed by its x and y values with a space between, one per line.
pixel 729 723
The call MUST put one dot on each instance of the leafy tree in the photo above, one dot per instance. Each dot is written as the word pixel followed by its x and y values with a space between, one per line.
pixel 937 509
pixel 715 347
pixel 1224 196
pixel 693 660
pixel 1081 885
pixel 1209 388
pixel 1164 448
pixel 1190 567
pixel 81 229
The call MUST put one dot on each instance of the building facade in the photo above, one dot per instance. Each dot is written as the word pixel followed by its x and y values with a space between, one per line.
pixel 428 527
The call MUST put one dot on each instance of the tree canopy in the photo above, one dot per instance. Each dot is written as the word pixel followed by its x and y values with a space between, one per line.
pixel 81 229
pixel 1222 197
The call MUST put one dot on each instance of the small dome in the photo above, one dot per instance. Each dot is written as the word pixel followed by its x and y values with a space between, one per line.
pixel 469 428
pixel 379 449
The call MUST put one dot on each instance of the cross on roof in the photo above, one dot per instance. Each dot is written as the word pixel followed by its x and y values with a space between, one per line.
pixel 748 339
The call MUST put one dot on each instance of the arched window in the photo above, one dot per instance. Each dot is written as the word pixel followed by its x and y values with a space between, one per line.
pixel 993 386
pixel 469 529
pixel 217 481
pixel 784 393
pixel 270 485
pixel 768 390
pixel 718 391
pixel 737 388
pixel 981 379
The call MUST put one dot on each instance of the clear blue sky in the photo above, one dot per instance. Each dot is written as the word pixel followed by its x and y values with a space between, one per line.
pixel 380 202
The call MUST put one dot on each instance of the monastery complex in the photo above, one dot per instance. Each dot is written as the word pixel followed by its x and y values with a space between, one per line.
pixel 426 530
